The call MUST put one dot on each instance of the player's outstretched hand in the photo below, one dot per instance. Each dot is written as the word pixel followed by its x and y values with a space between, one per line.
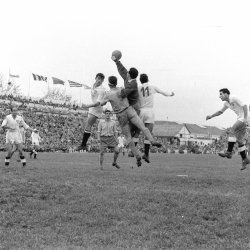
pixel 172 94
pixel 208 117
pixel 114 58
pixel 84 106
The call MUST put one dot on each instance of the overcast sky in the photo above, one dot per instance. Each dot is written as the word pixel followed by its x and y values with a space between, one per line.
pixel 192 48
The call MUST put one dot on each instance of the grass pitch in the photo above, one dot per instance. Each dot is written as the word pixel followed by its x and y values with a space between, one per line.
pixel 63 201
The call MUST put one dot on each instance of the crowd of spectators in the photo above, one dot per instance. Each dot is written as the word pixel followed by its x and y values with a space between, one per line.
pixel 61 128
pixel 25 101
pixel 60 125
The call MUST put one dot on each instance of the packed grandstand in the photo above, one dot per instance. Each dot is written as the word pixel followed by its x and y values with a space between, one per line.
pixel 61 125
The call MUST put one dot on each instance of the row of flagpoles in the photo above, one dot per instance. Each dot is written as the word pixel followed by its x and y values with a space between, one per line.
pixel 54 79
pixel 41 78
pixel 59 81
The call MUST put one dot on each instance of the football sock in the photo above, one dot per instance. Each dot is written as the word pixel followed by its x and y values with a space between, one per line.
pixel 231 142
pixel 146 147
pixel 115 156
pixel 23 161
pixel 136 140
pixel 242 150
pixel 101 159
pixel 85 138
pixel 7 161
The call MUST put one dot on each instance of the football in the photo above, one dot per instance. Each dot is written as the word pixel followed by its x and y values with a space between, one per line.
pixel 117 54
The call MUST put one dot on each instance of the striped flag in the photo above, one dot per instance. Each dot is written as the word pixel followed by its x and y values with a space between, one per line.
pixel 57 81
pixel 39 78
pixel 86 86
pixel 74 84
pixel 12 76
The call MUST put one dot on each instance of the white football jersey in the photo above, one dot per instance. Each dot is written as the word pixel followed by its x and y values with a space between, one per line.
pixel 234 104
pixel 98 93
pixel 14 124
pixel 146 95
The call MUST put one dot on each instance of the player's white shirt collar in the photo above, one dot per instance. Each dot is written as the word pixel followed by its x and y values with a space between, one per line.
pixel 146 84
pixel 99 87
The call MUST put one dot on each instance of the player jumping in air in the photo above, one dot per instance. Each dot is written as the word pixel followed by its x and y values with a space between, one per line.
pixel 125 114
pixel 238 131
pixel 146 101
pixel 97 94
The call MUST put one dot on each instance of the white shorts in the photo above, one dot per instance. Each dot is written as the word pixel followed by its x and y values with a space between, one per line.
pixel 14 137
pixel 241 119
pixel 147 115
pixel 96 111
pixel 36 143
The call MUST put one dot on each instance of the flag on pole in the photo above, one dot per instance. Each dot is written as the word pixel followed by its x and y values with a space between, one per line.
pixel 86 86
pixel 39 78
pixel 12 76
pixel 57 81
pixel 74 84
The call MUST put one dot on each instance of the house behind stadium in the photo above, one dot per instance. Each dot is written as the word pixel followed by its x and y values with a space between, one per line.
pixel 185 133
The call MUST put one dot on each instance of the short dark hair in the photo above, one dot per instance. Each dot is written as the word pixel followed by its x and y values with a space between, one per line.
pixel 133 72
pixel 100 75
pixel 143 78
pixel 225 91
pixel 113 80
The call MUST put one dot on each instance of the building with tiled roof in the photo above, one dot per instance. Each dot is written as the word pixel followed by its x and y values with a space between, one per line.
pixel 183 133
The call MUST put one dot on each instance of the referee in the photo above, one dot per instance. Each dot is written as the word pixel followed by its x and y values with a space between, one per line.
pixel 107 137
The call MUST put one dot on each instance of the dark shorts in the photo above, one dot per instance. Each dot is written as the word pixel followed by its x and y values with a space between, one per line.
pixel 125 116
pixel 107 142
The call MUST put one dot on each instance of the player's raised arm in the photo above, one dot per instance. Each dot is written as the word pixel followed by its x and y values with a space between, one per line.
pixel 121 69
pixel 116 56
pixel 159 91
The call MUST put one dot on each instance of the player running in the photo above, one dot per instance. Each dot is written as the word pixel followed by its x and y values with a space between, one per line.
pixel 147 115
pixel 238 131
pixel 125 114
pixel 95 112
pixel 35 140
pixel 12 123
